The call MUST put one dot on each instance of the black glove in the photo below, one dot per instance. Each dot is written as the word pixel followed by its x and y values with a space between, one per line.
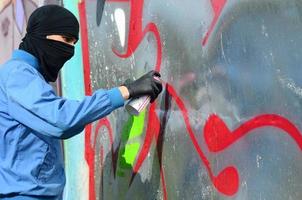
pixel 145 85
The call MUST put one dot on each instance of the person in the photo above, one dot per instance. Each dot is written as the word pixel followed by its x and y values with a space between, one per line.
pixel 33 118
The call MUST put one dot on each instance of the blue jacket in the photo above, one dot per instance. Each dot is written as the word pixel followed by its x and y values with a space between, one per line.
pixel 33 119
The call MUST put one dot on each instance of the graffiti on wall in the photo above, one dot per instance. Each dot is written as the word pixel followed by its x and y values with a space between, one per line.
pixel 14 15
pixel 212 119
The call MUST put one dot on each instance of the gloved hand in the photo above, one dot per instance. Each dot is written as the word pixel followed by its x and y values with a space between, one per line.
pixel 145 85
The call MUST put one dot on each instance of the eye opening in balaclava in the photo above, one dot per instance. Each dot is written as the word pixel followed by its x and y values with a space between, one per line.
pixel 50 20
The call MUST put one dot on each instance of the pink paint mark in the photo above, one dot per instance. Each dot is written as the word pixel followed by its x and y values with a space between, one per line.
pixel 218 136
pixel 85 46
pixel 20 14
pixel 137 32
pixel 217 6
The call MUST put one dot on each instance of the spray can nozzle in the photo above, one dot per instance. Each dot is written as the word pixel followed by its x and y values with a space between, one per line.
pixel 136 105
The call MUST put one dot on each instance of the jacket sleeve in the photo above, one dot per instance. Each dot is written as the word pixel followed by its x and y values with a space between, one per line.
pixel 32 102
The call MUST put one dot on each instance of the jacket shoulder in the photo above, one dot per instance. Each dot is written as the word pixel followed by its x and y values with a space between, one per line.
pixel 13 66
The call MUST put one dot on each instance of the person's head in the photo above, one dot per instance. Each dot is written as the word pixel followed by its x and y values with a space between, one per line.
pixel 51 34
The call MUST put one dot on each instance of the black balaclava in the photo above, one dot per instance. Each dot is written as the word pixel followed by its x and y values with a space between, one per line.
pixel 50 20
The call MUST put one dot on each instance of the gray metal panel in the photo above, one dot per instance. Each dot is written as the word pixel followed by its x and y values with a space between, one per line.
pixel 241 83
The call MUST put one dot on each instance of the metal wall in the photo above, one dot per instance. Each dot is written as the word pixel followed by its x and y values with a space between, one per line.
pixel 227 125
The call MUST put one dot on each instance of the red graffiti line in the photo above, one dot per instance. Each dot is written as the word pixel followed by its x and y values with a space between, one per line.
pixel 137 32
pixel 135 36
pixel 89 151
pixel 227 181
pixel 102 123
pixel 217 6
pixel 218 137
